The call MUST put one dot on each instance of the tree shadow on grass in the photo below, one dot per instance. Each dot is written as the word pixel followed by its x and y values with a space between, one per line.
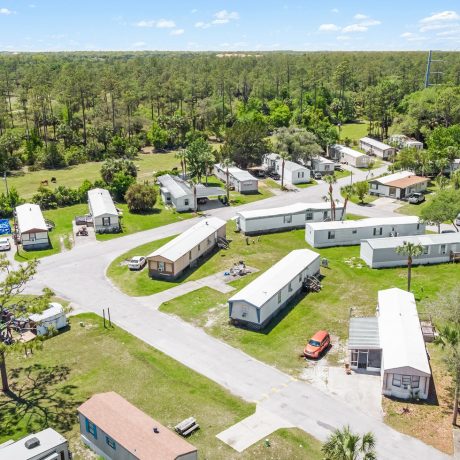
pixel 38 398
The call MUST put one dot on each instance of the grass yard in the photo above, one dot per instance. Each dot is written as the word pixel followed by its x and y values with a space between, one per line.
pixel 353 131
pixel 270 183
pixel 342 174
pixel 52 383
pixel 416 209
pixel 237 199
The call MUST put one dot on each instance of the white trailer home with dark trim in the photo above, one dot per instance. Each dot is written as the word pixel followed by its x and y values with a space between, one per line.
pixel 377 148
pixel 353 157
pixel 241 180
pixel 437 249
pixel 293 172
pixel 273 220
pixel 257 303
pixel 351 232
pixel 30 226
pixel 322 165
pixel 103 210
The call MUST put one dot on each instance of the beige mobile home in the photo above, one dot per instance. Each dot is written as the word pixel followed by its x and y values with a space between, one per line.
pixel 31 228
pixel 169 261
pixel 352 157
pixel 377 148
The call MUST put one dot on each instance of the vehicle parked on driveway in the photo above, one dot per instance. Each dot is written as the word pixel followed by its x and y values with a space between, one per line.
pixel 338 167
pixel 318 175
pixel 457 220
pixel 317 345
pixel 5 244
pixel 137 263
pixel 274 175
pixel 416 198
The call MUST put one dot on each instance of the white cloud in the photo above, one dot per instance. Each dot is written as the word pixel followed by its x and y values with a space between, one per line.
pixel 354 28
pixel 343 37
pixel 139 44
pixel 370 22
pixel 328 27
pixel 177 32
pixel 202 25
pixel 335 10
pixel 5 11
pixel 407 35
pixel 224 16
pixel 160 24
pixel 360 16
pixel 440 21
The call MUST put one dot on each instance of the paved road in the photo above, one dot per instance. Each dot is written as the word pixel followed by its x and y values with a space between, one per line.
pixel 79 275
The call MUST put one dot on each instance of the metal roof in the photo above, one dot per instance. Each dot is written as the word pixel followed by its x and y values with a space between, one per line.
pixel 239 174
pixel 55 309
pixel 202 191
pixel 29 217
pixel 400 333
pixel 290 209
pixel 101 202
pixel 291 166
pixel 369 222
pixel 393 177
pixel 322 160
pixel 364 333
pixel 348 151
pixel 425 240
pixel 269 283
pixel 186 241
pixel 177 187
pixel 376 143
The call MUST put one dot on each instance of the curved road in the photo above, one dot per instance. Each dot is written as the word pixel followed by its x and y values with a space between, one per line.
pixel 79 276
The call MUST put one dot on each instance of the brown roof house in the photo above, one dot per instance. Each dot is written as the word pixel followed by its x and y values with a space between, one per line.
pixel 116 430
pixel 399 185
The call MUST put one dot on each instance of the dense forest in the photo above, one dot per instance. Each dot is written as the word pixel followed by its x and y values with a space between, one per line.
pixel 62 109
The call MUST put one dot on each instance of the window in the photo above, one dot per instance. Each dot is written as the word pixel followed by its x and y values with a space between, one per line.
pixel 287 219
pixel 396 380
pixel 378 231
pixel 325 214
pixel 308 215
pixel 199 247
pixel 186 202
pixel 290 287
pixel 443 249
pixel 300 277
pixel 418 226
pixel 406 381
pixel 110 442
pixel 415 381
pixel 190 255
pixel 106 221
pixel 426 250
pixel 91 428
pixel 161 266
pixel 331 235
pixel 374 186
pixel 209 241
pixel 354 232
pixel 32 236
pixel 279 297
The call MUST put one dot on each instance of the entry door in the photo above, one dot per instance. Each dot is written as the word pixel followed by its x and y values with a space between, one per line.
pixel 362 360
pixel 403 193
pixel 392 192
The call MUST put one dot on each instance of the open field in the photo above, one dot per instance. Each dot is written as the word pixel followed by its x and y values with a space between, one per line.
pixel 353 131
pixel 52 383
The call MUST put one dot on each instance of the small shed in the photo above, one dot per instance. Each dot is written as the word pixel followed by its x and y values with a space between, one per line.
pixel 272 220
pixel 322 165
pixel 351 232
pixel 53 316
pixel 399 185
pixel 241 180
pixel 293 172
pixel 257 303
pixel 437 248
pixel 31 228
pixel 102 209
pixel 377 148
pixel 364 344
pixel 170 261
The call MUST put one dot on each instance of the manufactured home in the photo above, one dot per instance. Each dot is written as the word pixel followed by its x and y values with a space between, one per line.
pixel 350 232
pixel 30 227
pixel 241 180
pixel 44 445
pixel 257 303
pixel 53 317
pixel 269 161
pixel 377 148
pixel 437 248
pixel 116 430
pixel 284 218
pixel 392 344
pixel 322 165
pixel 399 185
pixel 293 172
pixel 350 156
pixel 403 142
pixel 102 209
pixel 170 261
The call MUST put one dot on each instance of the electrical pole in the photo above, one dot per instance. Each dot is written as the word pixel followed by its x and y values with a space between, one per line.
pixel 428 72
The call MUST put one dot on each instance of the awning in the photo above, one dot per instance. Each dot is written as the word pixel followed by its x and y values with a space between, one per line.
pixel 364 333
pixel 205 192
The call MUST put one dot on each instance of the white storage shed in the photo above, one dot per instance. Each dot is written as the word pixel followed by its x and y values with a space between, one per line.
pixel 31 228
pixel 284 218
pixel 257 303
pixel 241 180
pixel 377 148
pixel 53 316
pixel 437 248
pixel 350 232
pixel 405 368
pixel 101 207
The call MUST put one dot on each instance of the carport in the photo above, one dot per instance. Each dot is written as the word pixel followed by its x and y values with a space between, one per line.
pixel 364 344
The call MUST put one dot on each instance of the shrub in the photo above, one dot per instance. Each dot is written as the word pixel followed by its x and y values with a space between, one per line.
pixel 141 197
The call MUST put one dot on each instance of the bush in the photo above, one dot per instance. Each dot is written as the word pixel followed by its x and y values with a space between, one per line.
pixel 141 197
pixel 45 198
pixel 120 184
pixel 111 167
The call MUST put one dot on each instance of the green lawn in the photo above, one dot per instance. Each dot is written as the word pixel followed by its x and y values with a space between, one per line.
pixel 353 131
pixel 308 184
pixel 342 174
pixel 416 209
pixel 52 383
pixel 347 283
pixel 237 199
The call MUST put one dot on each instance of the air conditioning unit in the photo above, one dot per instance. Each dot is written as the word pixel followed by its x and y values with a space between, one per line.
pixel 32 443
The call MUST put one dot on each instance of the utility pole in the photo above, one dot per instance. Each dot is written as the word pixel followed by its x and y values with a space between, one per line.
pixel 428 72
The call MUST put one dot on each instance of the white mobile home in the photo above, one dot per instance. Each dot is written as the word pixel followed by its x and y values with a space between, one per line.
pixel 102 209
pixel 437 248
pixel 284 218
pixel 350 232
pixel 405 367
pixel 30 226
pixel 269 161
pixel 176 193
pixel 353 157
pixel 322 165
pixel 169 261
pixel 241 180
pixel 402 141
pixel 293 172
pixel 257 303
pixel 377 148
pixel 54 317
pixel 398 185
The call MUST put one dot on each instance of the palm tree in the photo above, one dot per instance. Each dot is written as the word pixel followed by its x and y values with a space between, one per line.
pixel 226 163
pixel 455 179
pixel 345 445
pixel 331 179
pixel 182 155
pixel 347 191
pixel 449 337
pixel 283 156
pixel 410 250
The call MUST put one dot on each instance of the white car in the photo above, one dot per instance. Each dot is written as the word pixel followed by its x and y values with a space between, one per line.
pixel 137 263
pixel 5 244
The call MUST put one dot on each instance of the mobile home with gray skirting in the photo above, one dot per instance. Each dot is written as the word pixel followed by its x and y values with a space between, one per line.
pixel 350 232
pixel 437 248
pixel 257 303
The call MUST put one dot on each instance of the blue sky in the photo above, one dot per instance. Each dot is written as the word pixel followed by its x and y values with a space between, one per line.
pixel 45 25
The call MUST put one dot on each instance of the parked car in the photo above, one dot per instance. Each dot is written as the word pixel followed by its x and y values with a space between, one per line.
pixel 457 220
pixel 416 198
pixel 202 200
pixel 317 344
pixel 137 263
pixel 5 244
pixel 274 175
pixel 448 231
pixel 338 167
pixel 318 175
